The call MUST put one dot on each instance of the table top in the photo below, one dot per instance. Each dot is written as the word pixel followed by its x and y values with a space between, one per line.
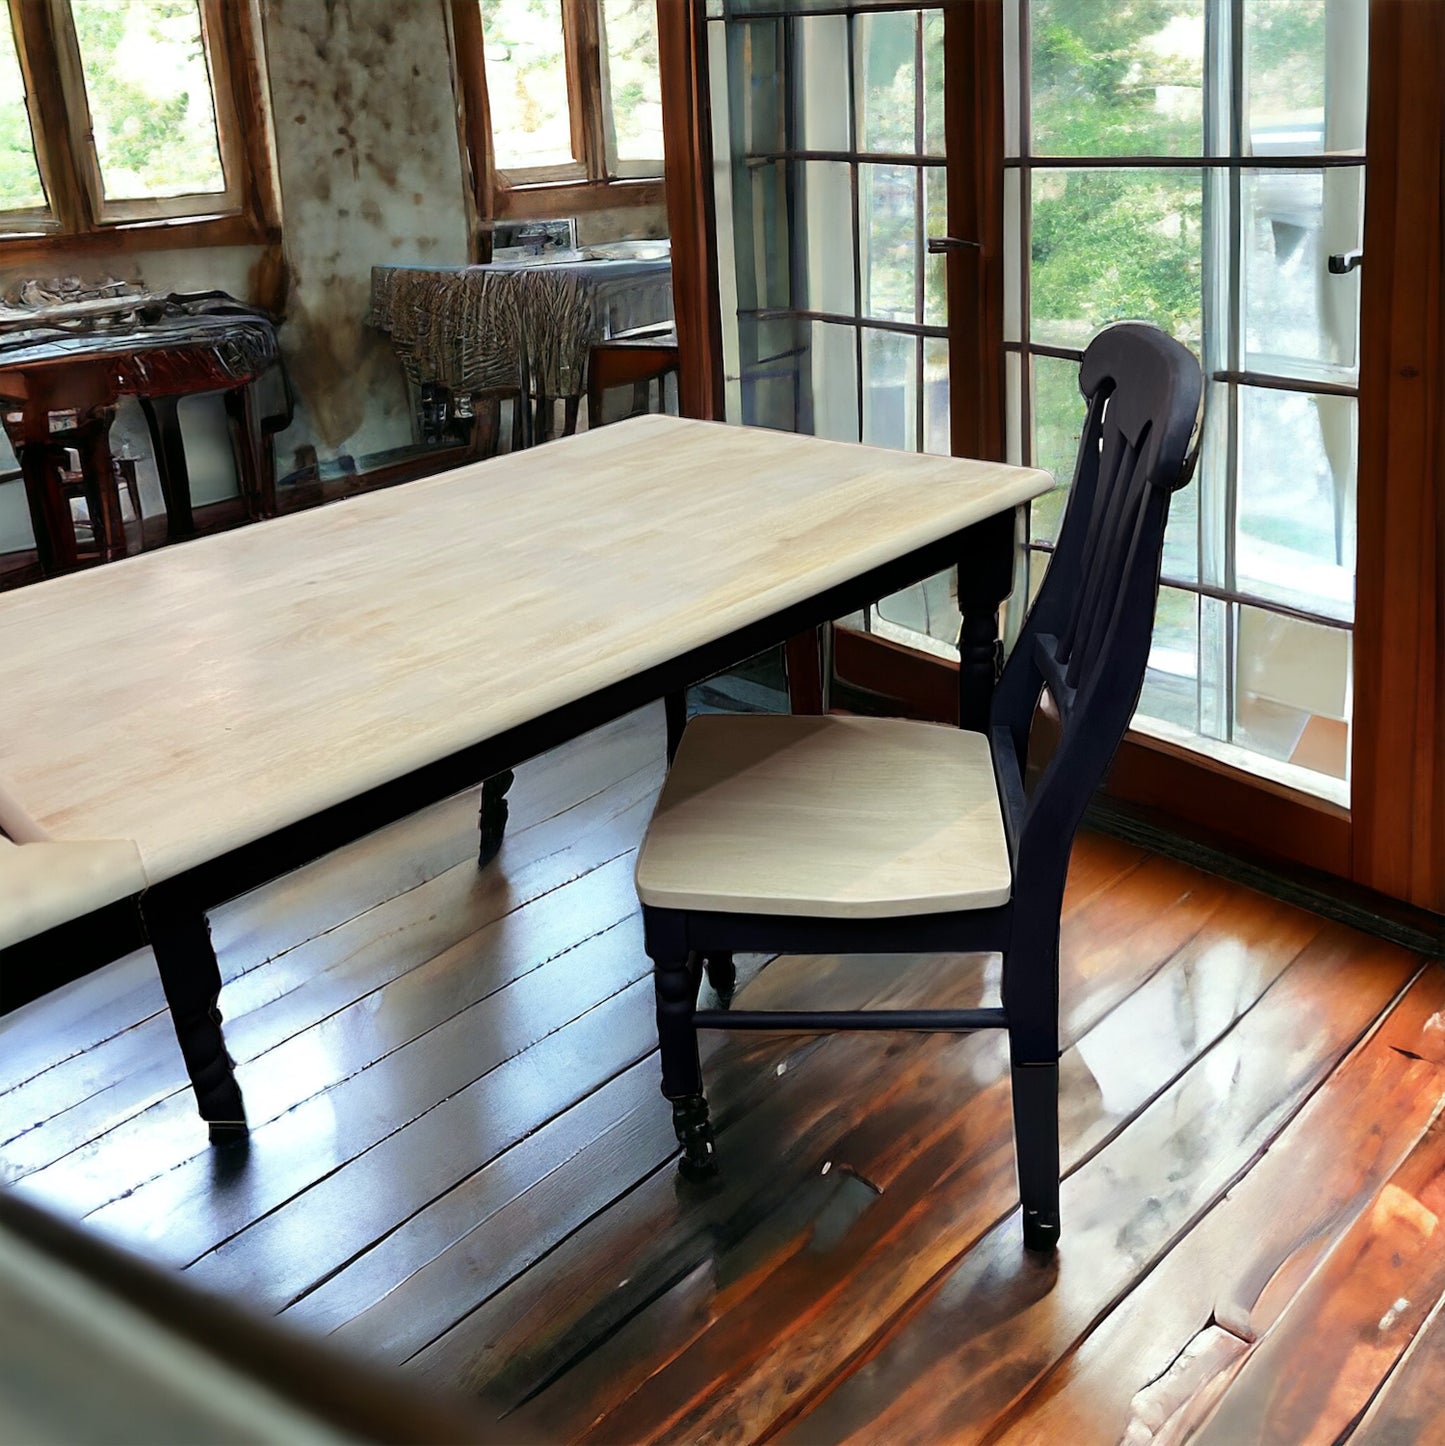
pixel 200 697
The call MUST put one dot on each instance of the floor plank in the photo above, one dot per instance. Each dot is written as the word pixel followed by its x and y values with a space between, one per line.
pixel 1245 1260
pixel 460 1163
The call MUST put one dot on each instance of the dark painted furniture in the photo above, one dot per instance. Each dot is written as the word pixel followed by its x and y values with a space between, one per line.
pixel 1086 641
pixel 59 388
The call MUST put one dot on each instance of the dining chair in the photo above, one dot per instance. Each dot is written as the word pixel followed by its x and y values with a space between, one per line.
pixel 832 834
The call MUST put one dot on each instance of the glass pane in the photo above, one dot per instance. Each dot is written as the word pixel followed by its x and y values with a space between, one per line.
pixel 1117 80
pixel 833 373
pixel 149 90
pixel 935 267
pixel 1058 408
pixel 820 56
pixel 1305 67
pixel 888 200
pixel 1293 690
pixel 890 389
pixel 933 133
pixel 633 78
pixel 828 261
pixel 1171 681
pixel 935 396
pixel 928 608
pixel 1115 246
pixel 526 83
pixel 887 100
pixel 755 96
pixel 761 235
pixel 1296 514
pixel 20 184
pixel 1294 309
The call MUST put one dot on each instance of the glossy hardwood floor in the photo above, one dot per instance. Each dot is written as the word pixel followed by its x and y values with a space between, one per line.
pixel 460 1163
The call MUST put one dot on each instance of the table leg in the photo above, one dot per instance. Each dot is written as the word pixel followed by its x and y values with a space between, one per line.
pixel 163 420
pixel 50 518
pixel 251 446
pixel 493 818
pixel 180 935
pixel 985 579
pixel 102 491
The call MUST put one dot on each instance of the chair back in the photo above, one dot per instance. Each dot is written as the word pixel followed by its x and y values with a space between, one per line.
pixel 1086 638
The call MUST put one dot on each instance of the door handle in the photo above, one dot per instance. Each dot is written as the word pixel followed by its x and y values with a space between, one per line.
pixel 1343 263
pixel 937 245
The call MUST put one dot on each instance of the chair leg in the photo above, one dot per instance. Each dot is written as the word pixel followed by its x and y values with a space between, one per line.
pixel 675 712
pixel 492 820
pixel 1036 1144
pixel 676 981
pixel 722 974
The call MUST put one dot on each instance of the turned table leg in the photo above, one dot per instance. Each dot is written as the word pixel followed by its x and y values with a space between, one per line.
pixel 985 579
pixel 163 420
pixel 180 935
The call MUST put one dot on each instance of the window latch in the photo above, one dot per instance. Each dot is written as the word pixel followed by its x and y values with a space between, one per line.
pixel 937 245
pixel 1343 263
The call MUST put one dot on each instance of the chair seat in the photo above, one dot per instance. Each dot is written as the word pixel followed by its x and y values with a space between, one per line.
pixel 845 818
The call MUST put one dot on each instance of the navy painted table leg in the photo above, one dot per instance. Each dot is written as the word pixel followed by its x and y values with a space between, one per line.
pixel 180 935
pixel 492 822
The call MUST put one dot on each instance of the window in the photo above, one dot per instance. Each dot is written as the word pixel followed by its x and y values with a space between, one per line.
pixel 1200 164
pixel 122 112
pixel 573 89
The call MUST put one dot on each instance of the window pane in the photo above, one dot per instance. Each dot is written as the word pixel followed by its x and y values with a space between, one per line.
pixel 834 377
pixel 1058 408
pixel 936 419
pixel 1117 80
pixel 19 173
pixel 887 82
pixel 1305 71
pixel 1295 310
pixel 888 198
pixel 1171 682
pixel 929 609
pixel 820 56
pixel 890 389
pixel 1296 515
pixel 935 266
pixel 149 90
pixel 527 83
pixel 828 209
pixel 1115 245
pixel 633 78
pixel 933 137
pixel 1293 690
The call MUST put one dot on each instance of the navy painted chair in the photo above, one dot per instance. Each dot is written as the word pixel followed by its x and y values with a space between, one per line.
pixel 803 835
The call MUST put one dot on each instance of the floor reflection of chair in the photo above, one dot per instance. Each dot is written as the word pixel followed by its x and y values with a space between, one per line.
pixel 802 835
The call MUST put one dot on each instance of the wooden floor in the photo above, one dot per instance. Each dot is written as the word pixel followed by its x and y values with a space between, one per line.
pixel 460 1163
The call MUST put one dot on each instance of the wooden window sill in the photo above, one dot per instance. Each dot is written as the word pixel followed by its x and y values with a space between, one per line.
pixel 175 234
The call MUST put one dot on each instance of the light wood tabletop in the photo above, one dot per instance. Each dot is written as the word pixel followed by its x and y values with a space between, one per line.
pixel 198 698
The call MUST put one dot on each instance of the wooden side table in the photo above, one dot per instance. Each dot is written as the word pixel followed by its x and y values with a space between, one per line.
pixel 60 389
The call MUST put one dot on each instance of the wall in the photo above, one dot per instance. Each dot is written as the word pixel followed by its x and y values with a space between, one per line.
pixel 371 172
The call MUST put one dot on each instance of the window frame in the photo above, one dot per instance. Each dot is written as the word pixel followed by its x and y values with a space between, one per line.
pixel 77 212
pixel 596 179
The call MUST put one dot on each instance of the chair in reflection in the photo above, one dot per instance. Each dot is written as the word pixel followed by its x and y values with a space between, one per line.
pixel 828 834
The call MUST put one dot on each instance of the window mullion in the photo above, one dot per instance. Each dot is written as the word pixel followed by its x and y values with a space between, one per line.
pixel 59 117
pixel 581 32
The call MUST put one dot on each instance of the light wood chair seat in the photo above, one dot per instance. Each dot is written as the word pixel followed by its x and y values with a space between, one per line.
pixel 828 817
pixel 47 883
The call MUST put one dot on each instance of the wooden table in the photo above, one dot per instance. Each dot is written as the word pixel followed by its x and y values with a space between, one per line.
pixel 52 374
pixel 258 697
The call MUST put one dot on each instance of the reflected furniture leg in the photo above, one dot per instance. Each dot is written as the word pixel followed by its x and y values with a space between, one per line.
pixel 180 935
pixel 102 491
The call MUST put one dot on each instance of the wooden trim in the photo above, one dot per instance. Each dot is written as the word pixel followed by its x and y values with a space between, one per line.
pixel 567 198
pixel 49 124
pixel 581 34
pixel 474 121
pixel 1259 819
pixel 691 215
pixel 61 127
pixel 1399 721
pixel 973 118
